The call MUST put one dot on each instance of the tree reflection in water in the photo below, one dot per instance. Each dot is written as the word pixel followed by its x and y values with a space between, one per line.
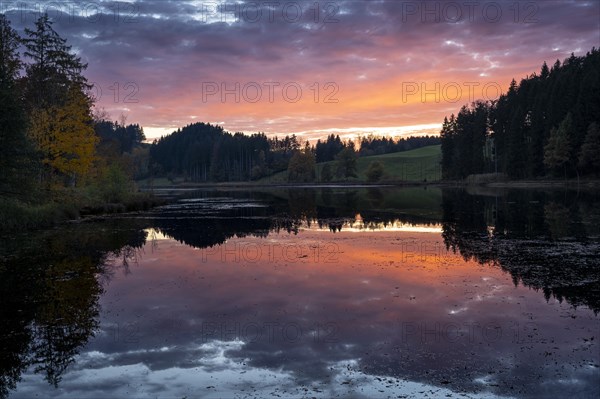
pixel 51 281
pixel 49 290
pixel 548 241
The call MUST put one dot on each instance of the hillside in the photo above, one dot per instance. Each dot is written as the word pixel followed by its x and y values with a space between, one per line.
pixel 411 166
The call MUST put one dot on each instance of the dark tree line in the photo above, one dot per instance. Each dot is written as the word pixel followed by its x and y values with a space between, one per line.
pixel 204 152
pixel 119 137
pixel 464 139
pixel 545 125
pixel 327 150
pixel 376 145
pixel 16 148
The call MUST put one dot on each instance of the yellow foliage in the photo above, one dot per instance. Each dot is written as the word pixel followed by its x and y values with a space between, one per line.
pixel 65 135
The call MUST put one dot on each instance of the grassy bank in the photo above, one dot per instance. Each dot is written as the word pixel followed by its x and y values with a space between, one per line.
pixel 415 166
pixel 16 215
pixel 422 164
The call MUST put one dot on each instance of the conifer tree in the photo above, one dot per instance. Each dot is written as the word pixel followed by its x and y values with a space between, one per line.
pixel 16 153
pixel 589 157
pixel 59 106
pixel 558 150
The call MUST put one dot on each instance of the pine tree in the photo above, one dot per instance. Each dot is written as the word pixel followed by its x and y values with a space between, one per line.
pixel 448 148
pixel 464 142
pixel 10 63
pixel 480 113
pixel 589 157
pixel 16 153
pixel 558 150
pixel 545 72
pixel 54 67
pixel 60 110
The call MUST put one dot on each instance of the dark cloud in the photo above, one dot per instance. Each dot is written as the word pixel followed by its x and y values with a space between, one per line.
pixel 367 47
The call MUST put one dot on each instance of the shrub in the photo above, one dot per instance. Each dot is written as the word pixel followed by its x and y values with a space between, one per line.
pixel 375 171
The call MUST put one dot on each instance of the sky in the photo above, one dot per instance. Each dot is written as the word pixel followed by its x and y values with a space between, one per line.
pixel 310 68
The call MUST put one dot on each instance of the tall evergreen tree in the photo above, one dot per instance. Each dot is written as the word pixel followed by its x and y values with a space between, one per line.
pixel 589 156
pixel 54 67
pixel 545 72
pixel 558 150
pixel 60 108
pixel 447 137
pixel 16 153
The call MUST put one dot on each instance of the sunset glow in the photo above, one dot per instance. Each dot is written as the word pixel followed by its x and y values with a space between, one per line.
pixel 347 67
pixel 299 198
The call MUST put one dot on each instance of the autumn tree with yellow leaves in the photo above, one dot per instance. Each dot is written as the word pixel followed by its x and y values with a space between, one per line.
pixel 65 136
pixel 61 122
pixel 55 154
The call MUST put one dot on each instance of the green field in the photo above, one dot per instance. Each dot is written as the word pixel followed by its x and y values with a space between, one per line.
pixel 410 166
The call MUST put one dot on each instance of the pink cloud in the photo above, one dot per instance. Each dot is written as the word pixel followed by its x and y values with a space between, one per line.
pixel 373 50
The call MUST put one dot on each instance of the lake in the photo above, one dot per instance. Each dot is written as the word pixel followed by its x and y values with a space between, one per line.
pixel 310 292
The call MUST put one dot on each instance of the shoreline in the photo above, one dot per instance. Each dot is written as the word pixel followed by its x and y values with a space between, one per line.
pixel 17 216
pixel 50 215
pixel 516 184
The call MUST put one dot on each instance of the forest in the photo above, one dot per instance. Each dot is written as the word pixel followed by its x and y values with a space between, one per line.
pixel 203 152
pixel 546 126
pixel 62 157
pixel 58 155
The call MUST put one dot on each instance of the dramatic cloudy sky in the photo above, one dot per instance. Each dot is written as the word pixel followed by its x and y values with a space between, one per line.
pixel 306 67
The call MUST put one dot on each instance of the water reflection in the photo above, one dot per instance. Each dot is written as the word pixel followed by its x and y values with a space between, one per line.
pixel 548 241
pixel 50 285
pixel 250 293
pixel 210 218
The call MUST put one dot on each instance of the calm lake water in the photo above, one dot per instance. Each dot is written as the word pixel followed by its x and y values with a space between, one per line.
pixel 328 292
